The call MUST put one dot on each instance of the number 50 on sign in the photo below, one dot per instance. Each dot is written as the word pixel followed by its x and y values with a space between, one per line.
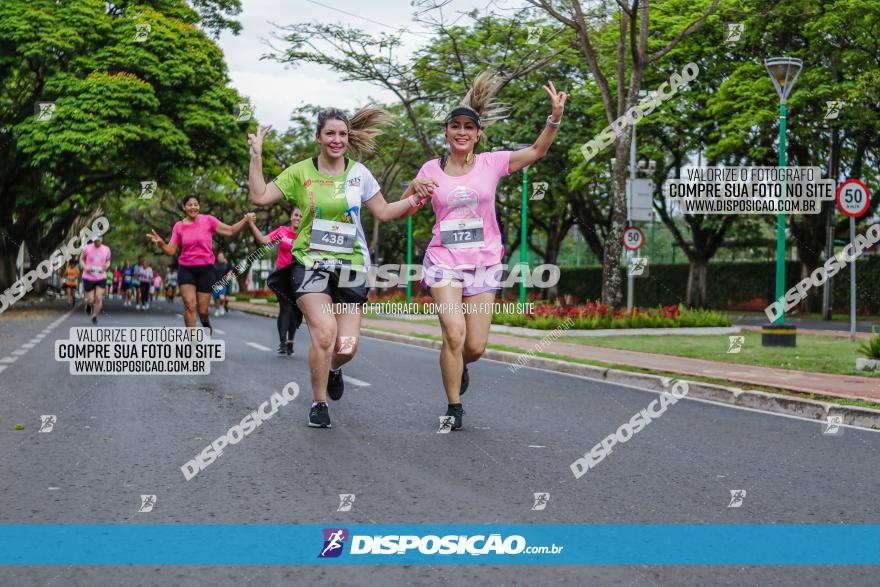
pixel 633 238
pixel 853 198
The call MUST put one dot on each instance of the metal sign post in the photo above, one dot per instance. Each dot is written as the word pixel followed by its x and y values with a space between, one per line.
pixel 853 199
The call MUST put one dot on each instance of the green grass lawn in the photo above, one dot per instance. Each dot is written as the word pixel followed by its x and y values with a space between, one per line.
pixel 822 354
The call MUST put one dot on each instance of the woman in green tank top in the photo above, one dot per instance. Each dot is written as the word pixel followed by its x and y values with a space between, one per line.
pixel 331 191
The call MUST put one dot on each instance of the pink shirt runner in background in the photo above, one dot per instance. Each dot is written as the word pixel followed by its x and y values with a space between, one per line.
pixel 195 240
pixel 94 262
pixel 468 197
pixel 285 237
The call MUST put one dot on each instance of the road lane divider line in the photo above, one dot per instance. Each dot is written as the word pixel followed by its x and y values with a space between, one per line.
pixel 259 347
pixel 355 382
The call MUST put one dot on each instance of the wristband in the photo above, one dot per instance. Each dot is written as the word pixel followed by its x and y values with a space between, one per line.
pixel 552 124
pixel 412 202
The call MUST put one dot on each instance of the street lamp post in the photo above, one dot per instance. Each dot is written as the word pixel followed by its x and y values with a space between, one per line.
pixel 523 245
pixel 784 72
pixel 409 230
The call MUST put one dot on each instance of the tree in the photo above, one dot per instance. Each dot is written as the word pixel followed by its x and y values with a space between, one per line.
pixel 632 41
pixel 126 110
pixel 839 49
pixel 441 71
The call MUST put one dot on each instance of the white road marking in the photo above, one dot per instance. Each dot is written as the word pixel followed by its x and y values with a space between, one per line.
pixel 179 315
pixel 536 446
pixel 218 331
pixel 19 352
pixel 28 345
pixel 8 359
pixel 2 367
pixel 259 347
pixel 354 381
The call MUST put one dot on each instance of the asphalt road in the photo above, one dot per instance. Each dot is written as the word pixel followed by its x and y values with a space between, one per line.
pixel 118 437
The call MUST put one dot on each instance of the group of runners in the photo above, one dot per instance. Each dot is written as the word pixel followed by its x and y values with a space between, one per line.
pixel 136 285
pixel 325 235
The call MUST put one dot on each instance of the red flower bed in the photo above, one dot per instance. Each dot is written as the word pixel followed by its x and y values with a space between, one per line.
pixel 598 309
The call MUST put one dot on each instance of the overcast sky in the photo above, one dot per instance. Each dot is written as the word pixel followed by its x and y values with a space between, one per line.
pixel 274 91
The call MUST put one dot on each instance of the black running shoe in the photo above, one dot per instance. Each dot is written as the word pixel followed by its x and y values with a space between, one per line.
pixel 319 416
pixel 89 309
pixel 282 350
pixel 465 381
pixel 335 386
pixel 290 347
pixel 456 411
pixel 95 320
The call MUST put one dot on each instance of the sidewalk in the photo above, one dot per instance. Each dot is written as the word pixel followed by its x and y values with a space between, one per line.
pixel 850 387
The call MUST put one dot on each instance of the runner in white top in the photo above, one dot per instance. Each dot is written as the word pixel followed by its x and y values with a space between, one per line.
pixel 331 191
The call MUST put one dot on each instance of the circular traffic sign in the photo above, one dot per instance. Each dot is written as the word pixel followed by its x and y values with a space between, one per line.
pixel 853 198
pixel 633 238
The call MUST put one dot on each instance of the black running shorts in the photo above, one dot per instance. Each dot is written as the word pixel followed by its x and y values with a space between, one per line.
pixel 201 276
pixel 89 285
pixel 325 281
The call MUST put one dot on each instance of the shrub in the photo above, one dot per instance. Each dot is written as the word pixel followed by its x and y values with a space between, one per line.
pixel 594 315
pixel 871 348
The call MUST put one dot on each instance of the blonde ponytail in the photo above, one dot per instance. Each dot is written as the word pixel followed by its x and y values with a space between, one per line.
pixel 481 99
pixel 363 129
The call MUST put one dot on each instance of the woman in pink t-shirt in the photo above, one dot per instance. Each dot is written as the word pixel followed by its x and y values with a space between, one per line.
pixel 289 315
pixel 463 260
pixel 193 236
pixel 95 260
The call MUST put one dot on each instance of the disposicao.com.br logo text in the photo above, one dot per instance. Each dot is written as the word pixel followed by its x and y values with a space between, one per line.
pixel 431 544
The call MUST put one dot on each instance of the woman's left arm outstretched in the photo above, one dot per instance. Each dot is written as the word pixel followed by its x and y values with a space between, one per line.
pixel 527 156
pixel 226 230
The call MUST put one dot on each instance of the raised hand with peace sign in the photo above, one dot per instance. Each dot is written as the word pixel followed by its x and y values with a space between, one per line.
pixel 255 140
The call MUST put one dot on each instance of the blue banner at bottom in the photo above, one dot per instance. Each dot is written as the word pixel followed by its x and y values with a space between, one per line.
pixel 219 544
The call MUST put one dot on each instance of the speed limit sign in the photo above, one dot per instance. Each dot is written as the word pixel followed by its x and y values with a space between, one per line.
pixel 633 238
pixel 853 198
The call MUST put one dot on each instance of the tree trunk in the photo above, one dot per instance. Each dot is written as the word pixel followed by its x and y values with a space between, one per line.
pixel 612 281
pixel 809 262
pixel 7 264
pixel 552 255
pixel 696 296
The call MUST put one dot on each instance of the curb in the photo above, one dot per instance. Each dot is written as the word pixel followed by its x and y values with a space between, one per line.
pixel 758 400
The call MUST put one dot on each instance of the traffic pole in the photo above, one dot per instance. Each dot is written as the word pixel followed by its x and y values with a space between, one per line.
pixel 630 284
pixel 852 280
pixel 408 259
pixel 523 243
pixel 780 223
